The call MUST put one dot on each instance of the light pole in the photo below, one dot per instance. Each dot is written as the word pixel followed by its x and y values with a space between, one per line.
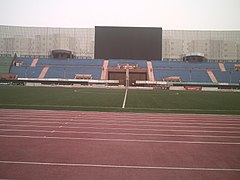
pixel 190 75
pixel 127 76
pixel 230 76
pixel 64 73
pixel 25 71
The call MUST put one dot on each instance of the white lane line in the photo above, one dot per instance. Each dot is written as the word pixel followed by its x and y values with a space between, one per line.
pixel 136 119
pixel 133 120
pixel 132 125
pixel 125 98
pixel 126 129
pixel 60 106
pixel 122 122
pixel 124 115
pixel 119 166
pixel 123 134
pixel 73 113
pixel 121 140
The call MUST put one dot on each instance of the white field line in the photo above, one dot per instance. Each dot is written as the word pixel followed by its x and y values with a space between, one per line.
pixel 131 125
pixel 125 98
pixel 120 133
pixel 127 129
pixel 121 140
pixel 118 166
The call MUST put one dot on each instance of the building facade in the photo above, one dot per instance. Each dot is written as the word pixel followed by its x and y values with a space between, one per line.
pixel 214 45
pixel 39 41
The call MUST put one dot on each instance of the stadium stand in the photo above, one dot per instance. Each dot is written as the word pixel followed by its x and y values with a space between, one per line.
pixel 150 71
pixel 57 68
pixel 104 70
pixel 227 76
pixel 26 71
pixel 25 61
pixel 196 72
pixel 222 77
pixel 229 66
pixel 70 72
pixel 235 77
pixel 182 64
pixel 199 76
pixel 203 72
pixel 70 62
pixel 95 72
pixel 160 74
pixel 43 72
pixel 212 76
pixel 222 67
pixel 34 62
pixel 5 63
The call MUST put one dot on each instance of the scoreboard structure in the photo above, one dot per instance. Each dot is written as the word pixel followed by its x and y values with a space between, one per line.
pixel 139 43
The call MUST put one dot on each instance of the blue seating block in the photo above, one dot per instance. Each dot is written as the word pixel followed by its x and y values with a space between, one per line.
pixel 26 71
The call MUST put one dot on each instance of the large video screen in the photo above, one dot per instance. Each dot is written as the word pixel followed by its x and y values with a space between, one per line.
pixel 128 43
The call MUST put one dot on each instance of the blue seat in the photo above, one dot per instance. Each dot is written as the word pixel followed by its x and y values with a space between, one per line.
pixel 26 61
pixel 70 62
pixel 184 65
pixel 199 76
pixel 222 77
pixel 159 74
pixel 70 72
pixel 229 66
pixel 26 71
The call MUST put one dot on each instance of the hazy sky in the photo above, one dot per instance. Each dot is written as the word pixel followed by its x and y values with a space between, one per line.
pixel 168 14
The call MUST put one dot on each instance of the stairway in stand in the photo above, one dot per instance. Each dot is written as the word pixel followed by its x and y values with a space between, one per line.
pixel 222 67
pixel 150 71
pixel 104 74
pixel 34 62
pixel 44 71
pixel 212 76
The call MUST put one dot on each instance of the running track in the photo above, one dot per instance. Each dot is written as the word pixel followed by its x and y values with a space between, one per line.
pixel 39 144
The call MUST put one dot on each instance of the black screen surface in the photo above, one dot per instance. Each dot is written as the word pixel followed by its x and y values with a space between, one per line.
pixel 128 43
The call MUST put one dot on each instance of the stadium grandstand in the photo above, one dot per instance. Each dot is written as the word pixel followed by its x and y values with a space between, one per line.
pixel 5 63
pixel 203 72
pixel 118 59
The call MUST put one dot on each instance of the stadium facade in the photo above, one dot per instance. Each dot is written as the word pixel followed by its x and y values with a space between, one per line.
pixel 39 41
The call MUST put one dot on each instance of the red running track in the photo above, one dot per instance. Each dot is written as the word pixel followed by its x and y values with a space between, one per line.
pixel 39 144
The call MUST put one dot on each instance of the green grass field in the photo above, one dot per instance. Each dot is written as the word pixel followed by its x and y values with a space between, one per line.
pixel 89 99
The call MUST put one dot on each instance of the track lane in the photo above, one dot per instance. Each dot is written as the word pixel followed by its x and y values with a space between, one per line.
pixel 105 144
